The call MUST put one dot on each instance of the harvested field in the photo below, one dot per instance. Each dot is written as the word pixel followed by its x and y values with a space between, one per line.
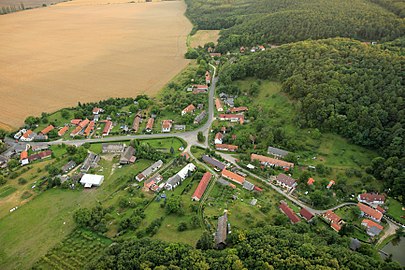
pixel 202 37
pixel 28 3
pixel 57 56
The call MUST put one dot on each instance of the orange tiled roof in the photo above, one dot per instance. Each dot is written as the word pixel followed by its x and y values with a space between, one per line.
pixel 233 176
pixel 377 215
pixel 47 129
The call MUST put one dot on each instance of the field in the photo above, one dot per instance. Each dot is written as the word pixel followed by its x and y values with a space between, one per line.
pixel 202 37
pixel 28 3
pixel 99 51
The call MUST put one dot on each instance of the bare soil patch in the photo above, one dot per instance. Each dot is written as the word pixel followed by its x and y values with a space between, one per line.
pixel 57 56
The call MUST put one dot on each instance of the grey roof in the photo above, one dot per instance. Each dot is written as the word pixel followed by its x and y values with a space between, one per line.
pixel 230 102
pixel 222 230
pixel 200 117
pixel 277 151
pixel 213 162
pixel 3 159
pixel 91 161
pixel 253 201
pixel 285 179
pixel 174 180
pixel 222 181
pixel 128 153
pixel 374 230
pixel 70 165
pixel 148 171
pixel 247 185
pixel 179 127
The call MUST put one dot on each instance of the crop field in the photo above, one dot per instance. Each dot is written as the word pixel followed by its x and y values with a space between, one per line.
pixel 28 3
pixel 100 50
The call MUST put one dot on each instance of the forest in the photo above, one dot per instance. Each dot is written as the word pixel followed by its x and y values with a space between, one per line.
pixel 342 86
pixel 248 23
pixel 263 247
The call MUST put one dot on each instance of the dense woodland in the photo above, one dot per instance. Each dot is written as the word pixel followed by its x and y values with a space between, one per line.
pixel 264 247
pixel 342 86
pixel 248 23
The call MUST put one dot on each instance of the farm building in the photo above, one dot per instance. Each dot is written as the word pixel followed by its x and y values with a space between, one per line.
pixel 272 162
pixel 276 152
pixel 89 180
pixel 112 148
pixel 68 166
pixel 128 156
pixel 285 181
pixel 289 212
pixel 222 232
pixel 202 186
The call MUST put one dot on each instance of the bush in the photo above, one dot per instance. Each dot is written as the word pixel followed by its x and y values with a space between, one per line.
pixel 22 181
pixel 182 226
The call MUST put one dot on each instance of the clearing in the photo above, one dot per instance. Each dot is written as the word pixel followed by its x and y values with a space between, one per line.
pixel 75 51
pixel 202 37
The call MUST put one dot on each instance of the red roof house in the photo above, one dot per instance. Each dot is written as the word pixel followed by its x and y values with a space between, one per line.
pixel 107 127
pixel 62 131
pixel 306 214
pixel 370 212
pixel 190 108
pixel 149 125
pixel 371 198
pixel 47 129
pixel 226 147
pixel 311 181
pixel 289 213
pixel 202 186
pixel 268 161
pixel 75 121
pixel 218 105
pixel 233 176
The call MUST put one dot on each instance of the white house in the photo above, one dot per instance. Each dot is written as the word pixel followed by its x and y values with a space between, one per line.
pixel 89 180
pixel 28 136
pixel 176 179
pixel 218 138
pixel 166 125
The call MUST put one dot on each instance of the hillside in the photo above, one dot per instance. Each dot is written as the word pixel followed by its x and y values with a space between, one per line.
pixel 275 21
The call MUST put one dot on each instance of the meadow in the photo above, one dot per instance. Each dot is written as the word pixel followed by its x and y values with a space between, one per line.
pixel 99 51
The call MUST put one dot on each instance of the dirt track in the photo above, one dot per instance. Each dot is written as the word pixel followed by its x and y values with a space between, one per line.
pixel 56 56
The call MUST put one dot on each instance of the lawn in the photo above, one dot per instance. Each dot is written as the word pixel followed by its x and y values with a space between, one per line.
pixel 395 210
pixel 29 232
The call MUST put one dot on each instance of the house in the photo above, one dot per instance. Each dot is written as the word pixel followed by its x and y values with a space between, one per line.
pixel 310 181
pixel 80 127
pixel 334 220
pixel 289 212
pixel 24 158
pixel 306 214
pixel 91 161
pixel 112 148
pixel 189 109
pixel 89 180
pixel 148 171
pixel 218 105
pixel 40 137
pixel 372 228
pixel 262 48
pixel 331 183
pixel 233 176
pixel 223 96
pixel 242 49
pixel 18 135
pixel 89 128
pixel 239 109
pixel 96 117
pixel 175 180
pixel 355 244
pixel 232 117
pixel 128 156
pixel 185 155
pixel 213 162
pixel 75 121
pixel 222 232
pixel 276 152
pixel 371 198
pixel 167 125
pixel 47 129
pixel 149 125
pixel 286 181
pixel 223 182
pixel 230 102
pixel 271 162
pixel 39 147
pixel 41 155
pixel 207 77
pixel 223 129
pixel 253 49
pixel 370 212
pixel 247 185
pixel 62 131
pixel 226 147
pixel 179 127
pixel 218 138
pixel 107 127
pixel 215 55
pixel 200 117
pixel 68 166
pixel 152 183
pixel 97 111
pixel 200 88
pixel 202 186
pixel 28 136
pixel 136 122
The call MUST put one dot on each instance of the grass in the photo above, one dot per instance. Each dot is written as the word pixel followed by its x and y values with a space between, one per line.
pixel 49 217
pixel 202 37
pixel 395 210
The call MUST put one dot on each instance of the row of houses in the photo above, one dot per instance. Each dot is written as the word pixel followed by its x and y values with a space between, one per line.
pixel 272 162
pixel 26 159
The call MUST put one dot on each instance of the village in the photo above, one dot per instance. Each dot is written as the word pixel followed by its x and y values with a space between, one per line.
pixel 161 153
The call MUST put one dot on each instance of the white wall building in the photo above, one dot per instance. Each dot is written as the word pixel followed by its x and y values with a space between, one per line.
pixel 89 180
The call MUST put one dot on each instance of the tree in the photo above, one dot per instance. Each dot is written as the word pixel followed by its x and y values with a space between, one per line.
pixel 171 150
pixel 174 205
pixel 200 137
pixel 2 180
pixel 205 242
pixel 22 181
pixel 12 163
pixel 182 226
pixel 65 114
pixel 31 120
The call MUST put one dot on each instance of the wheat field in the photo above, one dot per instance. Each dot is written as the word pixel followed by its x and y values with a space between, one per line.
pixel 75 51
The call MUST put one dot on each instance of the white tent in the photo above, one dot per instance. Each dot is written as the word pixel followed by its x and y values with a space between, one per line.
pixel 89 180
